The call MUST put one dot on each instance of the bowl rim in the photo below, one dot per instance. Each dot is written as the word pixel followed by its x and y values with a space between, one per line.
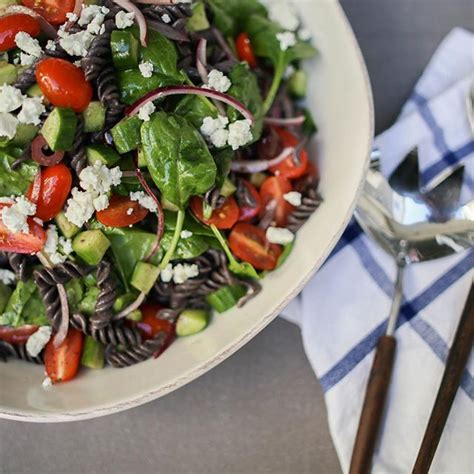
pixel 242 339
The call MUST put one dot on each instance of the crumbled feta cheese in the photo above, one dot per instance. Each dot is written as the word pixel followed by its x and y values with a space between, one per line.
pixel 102 30
pixel 28 44
pixel 124 20
pixel 76 44
pixel 99 179
pixel 279 235
pixel 7 200
pixel 77 63
pixel 80 207
pixel 283 12
pixel 130 211
pixel 146 69
pixel 101 202
pixel 287 39
pixel 304 34
pixel 185 234
pixel 27 59
pixel 219 138
pixel 145 111
pixel 183 272
pixel 218 81
pixel 51 45
pixel 37 341
pixel 240 133
pixel 57 248
pixel 144 200
pixel 166 18
pixel 166 274
pixel 72 17
pixel 215 130
pixel 11 98
pixel 15 217
pixel 65 246
pixel 90 12
pixel 95 25
pixel 31 110
pixel 293 197
pixel 7 277
pixel 8 124
pixel 47 383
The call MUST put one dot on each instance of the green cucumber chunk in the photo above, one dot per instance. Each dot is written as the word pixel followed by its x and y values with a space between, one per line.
pixel 126 300
pixel 5 293
pixel 198 21
pixel 126 134
pixel 91 246
pixel 144 276
pixel 8 72
pixel 87 304
pixel 124 47
pixel 142 163
pixel 25 132
pixel 103 154
pixel 298 84
pixel 228 188
pixel 191 321
pixel 68 229
pixel 257 179
pixel 226 297
pixel 59 129
pixel 94 117
pixel 93 354
pixel 35 91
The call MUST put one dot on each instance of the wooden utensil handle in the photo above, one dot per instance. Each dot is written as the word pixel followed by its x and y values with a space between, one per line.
pixel 457 360
pixel 374 402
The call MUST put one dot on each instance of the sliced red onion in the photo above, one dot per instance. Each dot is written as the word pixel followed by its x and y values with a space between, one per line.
pixel 256 166
pixel 47 28
pixel 42 154
pixel 223 44
pixel 285 122
pixel 168 31
pixel 201 59
pixel 77 8
pixel 129 309
pixel 162 92
pixel 268 215
pixel 130 7
pixel 64 326
pixel 35 191
pixel 156 2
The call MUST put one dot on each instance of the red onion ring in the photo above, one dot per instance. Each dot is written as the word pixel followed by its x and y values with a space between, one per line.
pixel 256 166
pixel 168 31
pixel 36 189
pixel 38 146
pixel 130 7
pixel 47 28
pixel 201 59
pixel 162 92
pixel 64 326
pixel 285 122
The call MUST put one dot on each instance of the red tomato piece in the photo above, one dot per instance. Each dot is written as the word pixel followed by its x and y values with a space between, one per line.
pixel 249 243
pixel 64 84
pixel 288 167
pixel 56 182
pixel 273 189
pixel 16 335
pixel 151 324
pixel 62 363
pixel 245 50
pixel 20 242
pixel 118 213
pixel 53 10
pixel 10 25
pixel 223 218
pixel 247 213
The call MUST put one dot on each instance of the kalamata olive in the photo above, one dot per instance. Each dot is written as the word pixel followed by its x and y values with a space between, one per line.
pixel 43 155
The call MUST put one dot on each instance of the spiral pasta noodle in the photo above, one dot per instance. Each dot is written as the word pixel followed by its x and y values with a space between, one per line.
pixel 105 300
pixel 19 352
pixel 20 264
pixel 77 155
pixel 310 202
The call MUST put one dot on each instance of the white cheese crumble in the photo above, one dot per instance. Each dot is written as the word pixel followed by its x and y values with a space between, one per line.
pixel 100 179
pixel 90 12
pixel 7 277
pixel 145 111
pixel 166 18
pixel 27 59
pixel 293 197
pixel 51 45
pixel 186 234
pixel 101 202
pixel 75 44
pixel 166 274
pixel 283 12
pixel 144 200
pixel 37 341
pixel 304 34
pixel 240 133
pixel 47 383
pixel 31 110
pixel 28 44
pixel 15 217
pixel 57 248
pixel 95 26
pixel 279 235
pixel 72 17
pixel 130 211
pixel 146 69
pixel 124 20
pixel 11 98
pixel 218 81
pixel 80 207
pixel 8 124
pixel 179 273
pixel 287 39
pixel 214 129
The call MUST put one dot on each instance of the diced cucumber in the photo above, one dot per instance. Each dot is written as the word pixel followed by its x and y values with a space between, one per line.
pixel 91 246
pixel 198 21
pixel 35 91
pixel 228 188
pixel 226 297
pixel 59 129
pixel 87 305
pixel 141 159
pixel 68 229
pixel 124 47
pixel 94 117
pixel 5 293
pixel 126 300
pixel 103 154
pixel 191 321
pixel 257 179
pixel 93 354
pixel 298 83
pixel 25 132
pixel 8 73
pixel 126 134
pixel 90 280
pixel 144 276
pixel 75 293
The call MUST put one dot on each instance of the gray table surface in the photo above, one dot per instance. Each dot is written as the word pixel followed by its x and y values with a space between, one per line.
pixel 261 410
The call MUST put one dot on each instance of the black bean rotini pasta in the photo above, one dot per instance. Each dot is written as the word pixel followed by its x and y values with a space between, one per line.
pixel 18 351
pixel 104 313
pixel 77 155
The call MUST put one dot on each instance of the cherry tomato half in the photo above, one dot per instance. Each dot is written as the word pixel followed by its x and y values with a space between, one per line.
pixel 56 182
pixel 248 242
pixel 10 25
pixel 62 363
pixel 223 218
pixel 20 242
pixel 274 188
pixel 151 324
pixel 64 84
pixel 53 10
pixel 121 212
pixel 288 167
pixel 245 50
pixel 247 213
pixel 17 335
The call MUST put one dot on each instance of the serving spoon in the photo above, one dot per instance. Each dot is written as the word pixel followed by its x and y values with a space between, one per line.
pixel 412 227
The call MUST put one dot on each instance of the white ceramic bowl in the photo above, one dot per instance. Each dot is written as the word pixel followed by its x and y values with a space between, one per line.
pixel 340 99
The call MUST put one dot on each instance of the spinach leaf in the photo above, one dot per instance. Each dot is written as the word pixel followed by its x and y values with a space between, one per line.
pixel 35 311
pixel 178 159
pixel 263 35
pixel 245 89
pixel 15 182
pixel 195 109
pixel 190 224
pixel 17 302
pixel 191 247
pixel 223 159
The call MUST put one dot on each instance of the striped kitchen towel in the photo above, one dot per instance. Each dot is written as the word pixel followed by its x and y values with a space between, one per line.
pixel 343 310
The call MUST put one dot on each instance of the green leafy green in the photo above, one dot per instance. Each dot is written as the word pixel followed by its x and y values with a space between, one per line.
pixel 195 109
pixel 263 35
pixel 190 224
pixel 186 248
pixel 15 182
pixel 87 304
pixel 75 292
pixel 198 20
pixel 35 311
pixel 223 159
pixel 16 304
pixel 178 159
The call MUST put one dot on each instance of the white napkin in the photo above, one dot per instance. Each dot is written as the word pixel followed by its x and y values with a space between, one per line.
pixel 343 310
